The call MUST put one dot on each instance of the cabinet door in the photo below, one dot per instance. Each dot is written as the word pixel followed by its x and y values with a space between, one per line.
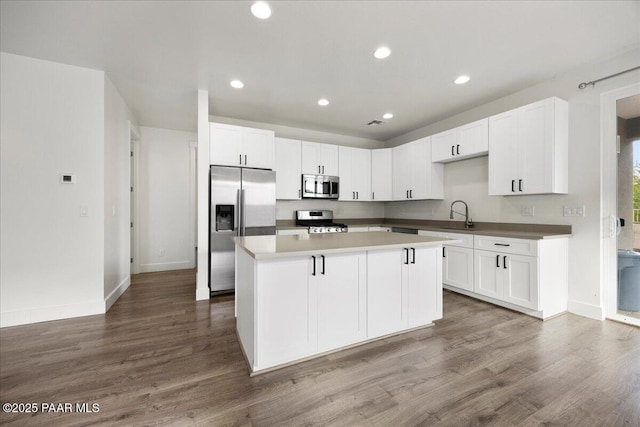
pixel 341 290
pixel 424 286
pixel 401 171
pixel 488 273
pixel 458 267
pixel 503 166
pixel 385 310
pixel 285 318
pixel 381 174
pixel 472 139
pixel 443 146
pixel 535 143
pixel 225 144
pixel 521 281
pixel 362 174
pixel 346 174
pixel 288 169
pixel 311 158
pixel 258 148
pixel 427 178
pixel 329 159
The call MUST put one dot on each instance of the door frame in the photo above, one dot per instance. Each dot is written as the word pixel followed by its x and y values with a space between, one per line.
pixel 609 200
pixel 134 147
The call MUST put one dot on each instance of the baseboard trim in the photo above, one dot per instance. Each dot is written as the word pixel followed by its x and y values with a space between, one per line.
pixel 586 310
pixel 116 293
pixel 46 314
pixel 165 266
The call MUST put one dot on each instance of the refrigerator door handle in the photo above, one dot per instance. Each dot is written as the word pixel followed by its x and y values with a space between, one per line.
pixel 243 212
pixel 238 213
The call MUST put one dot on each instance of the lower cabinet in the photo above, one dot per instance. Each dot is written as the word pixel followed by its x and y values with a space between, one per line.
pixel 457 267
pixel 404 289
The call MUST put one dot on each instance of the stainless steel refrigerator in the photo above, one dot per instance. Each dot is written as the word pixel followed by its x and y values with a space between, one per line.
pixel 243 203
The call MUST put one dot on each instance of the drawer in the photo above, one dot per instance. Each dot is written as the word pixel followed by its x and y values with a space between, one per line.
pixel 507 245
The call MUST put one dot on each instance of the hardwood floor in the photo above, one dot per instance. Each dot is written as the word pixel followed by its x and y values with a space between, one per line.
pixel 158 357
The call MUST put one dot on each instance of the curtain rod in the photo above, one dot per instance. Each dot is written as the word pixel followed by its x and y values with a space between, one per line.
pixel 593 83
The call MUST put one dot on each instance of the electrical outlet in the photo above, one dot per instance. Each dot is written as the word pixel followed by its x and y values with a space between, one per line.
pixel 573 210
pixel 161 252
pixel 528 210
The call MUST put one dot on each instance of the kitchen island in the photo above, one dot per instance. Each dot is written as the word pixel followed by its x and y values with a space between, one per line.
pixel 302 296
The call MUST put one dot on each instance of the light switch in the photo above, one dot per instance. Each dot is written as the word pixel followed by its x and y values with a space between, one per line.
pixel 528 210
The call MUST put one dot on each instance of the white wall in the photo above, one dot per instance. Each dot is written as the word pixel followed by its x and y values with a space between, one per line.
pixel 166 199
pixel 467 179
pixel 51 258
pixel 117 209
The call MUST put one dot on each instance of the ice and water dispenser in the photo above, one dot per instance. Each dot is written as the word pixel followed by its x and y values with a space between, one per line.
pixel 225 217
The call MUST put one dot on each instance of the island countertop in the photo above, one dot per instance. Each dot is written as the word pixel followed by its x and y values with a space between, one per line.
pixel 264 247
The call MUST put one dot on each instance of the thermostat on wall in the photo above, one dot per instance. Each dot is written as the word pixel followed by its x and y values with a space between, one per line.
pixel 68 178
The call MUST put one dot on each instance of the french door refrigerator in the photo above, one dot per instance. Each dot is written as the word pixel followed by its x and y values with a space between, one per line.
pixel 243 203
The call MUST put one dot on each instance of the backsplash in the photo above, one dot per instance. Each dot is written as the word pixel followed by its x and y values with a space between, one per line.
pixel 286 209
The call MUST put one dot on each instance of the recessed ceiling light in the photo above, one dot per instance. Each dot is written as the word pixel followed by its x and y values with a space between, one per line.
pixel 461 80
pixel 323 102
pixel 237 84
pixel 261 10
pixel 387 116
pixel 382 52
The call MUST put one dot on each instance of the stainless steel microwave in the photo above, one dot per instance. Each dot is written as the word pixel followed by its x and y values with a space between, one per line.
pixel 320 187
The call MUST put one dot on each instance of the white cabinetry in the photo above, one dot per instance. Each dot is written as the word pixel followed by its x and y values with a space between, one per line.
pixel 415 177
pixel 528 149
pixel 240 146
pixel 288 169
pixel 403 291
pixel 457 259
pixel 464 142
pixel 340 281
pixel 382 174
pixel 292 231
pixel 355 174
pixel 320 159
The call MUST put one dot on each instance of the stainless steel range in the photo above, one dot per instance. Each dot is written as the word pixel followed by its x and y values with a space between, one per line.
pixel 319 222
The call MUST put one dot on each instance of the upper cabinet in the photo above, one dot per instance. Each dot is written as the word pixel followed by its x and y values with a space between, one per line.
pixel 464 142
pixel 320 159
pixel 354 169
pixel 288 169
pixel 382 174
pixel 415 177
pixel 240 146
pixel 528 149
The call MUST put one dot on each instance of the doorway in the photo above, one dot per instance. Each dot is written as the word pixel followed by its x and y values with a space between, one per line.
pixel 621 203
pixel 134 148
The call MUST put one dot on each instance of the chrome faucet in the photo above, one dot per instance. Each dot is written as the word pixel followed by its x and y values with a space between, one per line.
pixel 467 221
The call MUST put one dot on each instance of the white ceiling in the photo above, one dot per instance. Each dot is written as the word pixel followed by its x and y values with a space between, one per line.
pixel 158 54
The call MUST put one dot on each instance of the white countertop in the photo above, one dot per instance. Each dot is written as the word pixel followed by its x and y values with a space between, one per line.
pixel 264 247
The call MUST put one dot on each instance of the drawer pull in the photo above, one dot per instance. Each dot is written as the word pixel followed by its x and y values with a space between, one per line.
pixel 497 261
pixel 502 244
pixel 504 261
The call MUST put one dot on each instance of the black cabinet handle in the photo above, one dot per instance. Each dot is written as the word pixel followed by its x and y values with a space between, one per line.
pixel 501 244
pixel 411 194
pixel 504 261
pixel 520 184
pixel 406 255
pixel 373 195
pixel 407 194
pixel 513 185
pixel 322 272
pixel 413 255
pixel 353 195
pixel 245 160
pixel 444 255
pixel 322 169
pixel 497 261
pixel 313 273
pixel 240 159
pixel 457 149
pixel 319 169
pixel 452 153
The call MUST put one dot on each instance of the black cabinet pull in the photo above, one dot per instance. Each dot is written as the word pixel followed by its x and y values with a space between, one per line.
pixel 353 195
pixel 513 185
pixel 504 261
pixel 406 255
pixel 318 168
pixel 240 159
pixel 373 195
pixel 501 244
pixel 322 169
pixel 497 261
pixel 357 196
pixel 443 253
pixel 457 149
pixel 413 255
pixel 452 153
pixel 520 184
pixel 322 272
pixel 245 160
pixel 411 194
pixel 407 194
pixel 313 273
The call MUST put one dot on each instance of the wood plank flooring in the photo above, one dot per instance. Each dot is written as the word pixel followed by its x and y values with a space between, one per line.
pixel 158 357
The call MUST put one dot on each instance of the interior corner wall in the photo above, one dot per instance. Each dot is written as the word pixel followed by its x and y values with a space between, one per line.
pixel 166 199
pixel 468 179
pixel 51 253
pixel 117 200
